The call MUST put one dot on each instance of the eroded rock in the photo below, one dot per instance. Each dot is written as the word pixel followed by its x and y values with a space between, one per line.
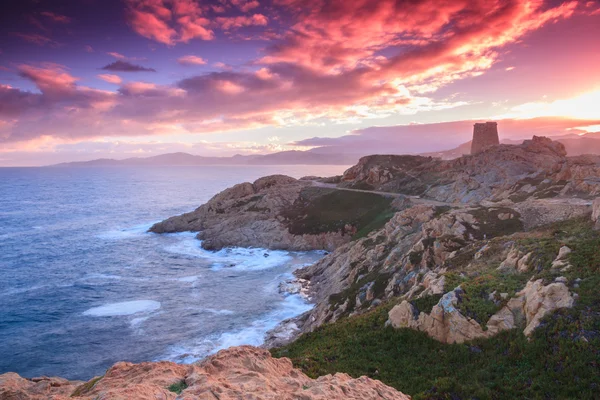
pixel 447 324
pixel 236 373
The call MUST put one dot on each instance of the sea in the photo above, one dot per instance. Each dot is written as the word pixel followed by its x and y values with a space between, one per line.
pixel 84 285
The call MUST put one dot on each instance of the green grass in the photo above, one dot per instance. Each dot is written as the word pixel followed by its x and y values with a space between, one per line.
pixel 561 361
pixel 178 387
pixel 475 302
pixel 320 210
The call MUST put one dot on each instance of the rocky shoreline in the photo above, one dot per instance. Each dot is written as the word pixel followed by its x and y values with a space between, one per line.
pixel 427 237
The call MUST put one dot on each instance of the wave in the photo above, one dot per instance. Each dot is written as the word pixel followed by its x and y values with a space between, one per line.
pixel 235 258
pixel 254 334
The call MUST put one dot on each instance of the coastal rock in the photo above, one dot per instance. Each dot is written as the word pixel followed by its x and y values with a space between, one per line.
pixel 232 374
pixel 447 324
pixel 278 212
pixel 405 258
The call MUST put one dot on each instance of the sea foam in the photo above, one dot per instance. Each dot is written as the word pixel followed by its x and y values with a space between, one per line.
pixel 123 308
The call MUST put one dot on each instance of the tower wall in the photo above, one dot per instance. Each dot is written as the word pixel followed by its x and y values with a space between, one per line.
pixel 485 135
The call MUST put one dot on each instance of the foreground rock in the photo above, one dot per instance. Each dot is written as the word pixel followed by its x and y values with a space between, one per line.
pixel 446 324
pixel 243 372
pixel 278 212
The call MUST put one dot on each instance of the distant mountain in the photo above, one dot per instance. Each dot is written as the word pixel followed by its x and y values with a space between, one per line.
pixel 186 159
pixel 575 145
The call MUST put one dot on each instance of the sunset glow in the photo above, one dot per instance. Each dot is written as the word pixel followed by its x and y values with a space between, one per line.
pixel 230 74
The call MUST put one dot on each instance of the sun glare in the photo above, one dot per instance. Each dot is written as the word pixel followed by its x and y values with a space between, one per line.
pixel 584 106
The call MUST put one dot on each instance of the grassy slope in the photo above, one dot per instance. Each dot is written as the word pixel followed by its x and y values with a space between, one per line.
pixel 561 361
pixel 329 210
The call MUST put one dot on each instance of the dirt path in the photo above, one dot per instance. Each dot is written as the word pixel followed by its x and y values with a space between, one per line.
pixel 414 199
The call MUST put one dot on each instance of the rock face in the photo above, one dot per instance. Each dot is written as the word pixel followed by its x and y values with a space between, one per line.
pixel 446 323
pixel 485 135
pixel 235 373
pixel 538 168
pixel 272 213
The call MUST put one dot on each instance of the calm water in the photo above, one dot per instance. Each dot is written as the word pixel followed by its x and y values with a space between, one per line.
pixel 82 285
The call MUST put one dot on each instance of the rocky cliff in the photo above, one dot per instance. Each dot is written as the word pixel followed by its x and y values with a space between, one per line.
pixel 280 212
pixel 423 253
pixel 239 372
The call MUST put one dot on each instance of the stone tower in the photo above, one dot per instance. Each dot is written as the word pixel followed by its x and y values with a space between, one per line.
pixel 485 135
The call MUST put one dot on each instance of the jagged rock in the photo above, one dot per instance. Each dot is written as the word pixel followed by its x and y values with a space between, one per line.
pixel 523 263
pixel 446 323
pixel 561 261
pixel 235 373
pixel 511 261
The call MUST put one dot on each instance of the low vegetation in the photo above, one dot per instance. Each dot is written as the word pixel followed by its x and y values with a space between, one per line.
pixel 320 210
pixel 86 387
pixel 561 361
pixel 178 387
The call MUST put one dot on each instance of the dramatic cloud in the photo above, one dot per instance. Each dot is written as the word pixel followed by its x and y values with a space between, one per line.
pixel 125 66
pixel 336 62
pixel 191 60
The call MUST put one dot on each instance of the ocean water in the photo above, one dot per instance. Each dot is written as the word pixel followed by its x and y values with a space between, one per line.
pixel 83 285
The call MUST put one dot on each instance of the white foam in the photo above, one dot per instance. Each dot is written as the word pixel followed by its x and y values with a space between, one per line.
pixel 123 308
pixel 236 258
pixel 254 334
pixel 190 279
pixel 218 312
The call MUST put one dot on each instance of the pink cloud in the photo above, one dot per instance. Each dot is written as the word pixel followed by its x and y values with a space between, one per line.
pixel 248 5
pixel 88 48
pixel 115 79
pixel 116 55
pixel 228 23
pixel 339 61
pixel 169 21
pixel 49 79
pixel 63 19
pixel 191 60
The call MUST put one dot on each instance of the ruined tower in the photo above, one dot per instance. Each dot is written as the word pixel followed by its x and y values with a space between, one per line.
pixel 485 135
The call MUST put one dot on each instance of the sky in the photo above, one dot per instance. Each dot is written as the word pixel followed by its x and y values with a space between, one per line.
pixel 87 79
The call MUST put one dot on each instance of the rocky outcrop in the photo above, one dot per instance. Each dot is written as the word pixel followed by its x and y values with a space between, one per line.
pixel 235 373
pixel 538 168
pixel 406 258
pixel 447 324
pixel 276 212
